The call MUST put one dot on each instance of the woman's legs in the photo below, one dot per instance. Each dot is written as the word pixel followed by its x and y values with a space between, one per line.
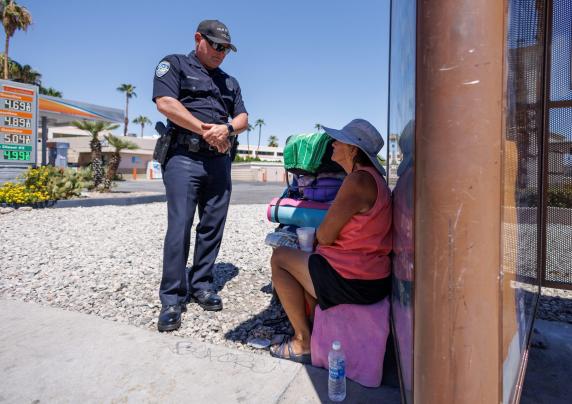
pixel 291 279
pixel 312 301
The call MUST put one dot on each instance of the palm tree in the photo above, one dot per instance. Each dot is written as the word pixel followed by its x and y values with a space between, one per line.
pixel 142 120
pixel 14 17
pixel 248 130
pixel 52 92
pixel 13 66
pixel 94 128
pixel 259 122
pixel 318 127
pixel 272 141
pixel 26 74
pixel 129 90
pixel 21 74
pixel 119 144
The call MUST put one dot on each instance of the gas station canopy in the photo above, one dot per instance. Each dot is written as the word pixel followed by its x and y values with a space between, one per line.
pixel 22 109
pixel 59 111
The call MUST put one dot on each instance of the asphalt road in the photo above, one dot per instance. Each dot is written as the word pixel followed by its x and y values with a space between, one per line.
pixel 243 193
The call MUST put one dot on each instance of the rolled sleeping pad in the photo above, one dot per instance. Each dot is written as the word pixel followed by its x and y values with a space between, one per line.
pixel 297 212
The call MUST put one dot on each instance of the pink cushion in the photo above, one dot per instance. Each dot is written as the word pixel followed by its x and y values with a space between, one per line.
pixel 363 332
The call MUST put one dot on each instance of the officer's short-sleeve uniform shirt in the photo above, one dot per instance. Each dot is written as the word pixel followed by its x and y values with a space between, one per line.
pixel 210 95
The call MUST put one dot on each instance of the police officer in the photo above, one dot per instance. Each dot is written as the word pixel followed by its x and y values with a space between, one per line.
pixel 198 99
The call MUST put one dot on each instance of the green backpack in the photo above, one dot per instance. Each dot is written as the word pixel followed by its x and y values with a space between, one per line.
pixel 309 153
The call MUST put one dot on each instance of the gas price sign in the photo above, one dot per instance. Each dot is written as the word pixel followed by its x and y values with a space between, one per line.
pixel 18 123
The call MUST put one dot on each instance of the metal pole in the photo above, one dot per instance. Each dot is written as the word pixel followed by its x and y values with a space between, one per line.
pixel 459 129
pixel 44 139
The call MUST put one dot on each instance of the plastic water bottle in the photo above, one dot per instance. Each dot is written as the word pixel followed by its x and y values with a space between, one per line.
pixel 337 373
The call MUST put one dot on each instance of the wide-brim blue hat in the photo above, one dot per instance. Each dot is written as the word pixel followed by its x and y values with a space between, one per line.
pixel 362 134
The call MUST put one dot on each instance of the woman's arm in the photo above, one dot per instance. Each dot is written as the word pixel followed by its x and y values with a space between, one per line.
pixel 356 195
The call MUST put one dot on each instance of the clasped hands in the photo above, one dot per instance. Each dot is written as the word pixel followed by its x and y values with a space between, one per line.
pixel 216 136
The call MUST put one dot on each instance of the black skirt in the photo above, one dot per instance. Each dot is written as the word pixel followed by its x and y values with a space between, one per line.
pixel 333 289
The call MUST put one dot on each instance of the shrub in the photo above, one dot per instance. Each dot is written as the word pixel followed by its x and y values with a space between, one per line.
pixel 65 184
pixel 19 194
pixel 240 159
pixel 44 184
pixel 560 197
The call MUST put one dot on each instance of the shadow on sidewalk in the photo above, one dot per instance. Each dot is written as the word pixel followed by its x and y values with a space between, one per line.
pixel 548 373
pixel 268 324
pixel 222 273
pixel 273 322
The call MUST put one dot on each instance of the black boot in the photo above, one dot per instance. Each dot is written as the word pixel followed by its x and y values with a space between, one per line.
pixel 169 318
pixel 207 300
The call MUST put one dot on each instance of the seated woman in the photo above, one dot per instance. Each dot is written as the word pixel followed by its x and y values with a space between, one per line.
pixel 351 264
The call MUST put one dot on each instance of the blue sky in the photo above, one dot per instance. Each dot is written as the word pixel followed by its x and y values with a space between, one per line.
pixel 299 62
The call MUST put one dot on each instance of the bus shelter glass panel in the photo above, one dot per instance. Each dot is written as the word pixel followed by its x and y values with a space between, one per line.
pixel 401 129
pixel 522 183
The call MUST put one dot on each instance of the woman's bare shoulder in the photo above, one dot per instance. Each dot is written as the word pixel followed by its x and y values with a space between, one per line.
pixel 363 186
pixel 362 179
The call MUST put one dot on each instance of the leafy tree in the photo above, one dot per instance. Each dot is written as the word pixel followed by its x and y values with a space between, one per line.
pixel 94 128
pixel 129 90
pixel 259 122
pixel 272 141
pixel 21 74
pixel 142 120
pixel 52 92
pixel 25 74
pixel 119 144
pixel 318 127
pixel 13 67
pixel 14 17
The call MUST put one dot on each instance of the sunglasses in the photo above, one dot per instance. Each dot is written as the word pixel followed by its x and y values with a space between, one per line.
pixel 217 46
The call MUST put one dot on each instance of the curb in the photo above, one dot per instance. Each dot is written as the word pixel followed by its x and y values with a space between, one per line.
pixel 88 203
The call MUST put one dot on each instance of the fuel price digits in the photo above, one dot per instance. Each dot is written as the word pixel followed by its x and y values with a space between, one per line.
pixel 15 122
pixel 15 138
pixel 16 155
pixel 16 105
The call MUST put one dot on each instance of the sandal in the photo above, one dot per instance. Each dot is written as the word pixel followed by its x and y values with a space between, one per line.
pixel 279 352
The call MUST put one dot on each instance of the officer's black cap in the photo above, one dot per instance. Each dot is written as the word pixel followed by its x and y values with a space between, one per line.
pixel 216 31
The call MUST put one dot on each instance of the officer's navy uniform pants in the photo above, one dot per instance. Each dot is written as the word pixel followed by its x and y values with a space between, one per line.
pixel 193 180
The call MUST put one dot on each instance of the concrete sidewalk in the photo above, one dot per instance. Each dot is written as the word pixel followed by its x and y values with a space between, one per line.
pixel 52 355
pixel 548 374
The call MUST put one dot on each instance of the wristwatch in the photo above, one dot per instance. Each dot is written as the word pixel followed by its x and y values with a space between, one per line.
pixel 230 128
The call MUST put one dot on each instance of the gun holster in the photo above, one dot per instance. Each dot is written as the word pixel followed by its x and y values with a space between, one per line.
pixel 233 147
pixel 163 143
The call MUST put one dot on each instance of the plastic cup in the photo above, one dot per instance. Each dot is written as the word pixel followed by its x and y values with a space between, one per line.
pixel 306 238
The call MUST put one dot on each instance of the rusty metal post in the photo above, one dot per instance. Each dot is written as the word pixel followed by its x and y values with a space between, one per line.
pixel 459 113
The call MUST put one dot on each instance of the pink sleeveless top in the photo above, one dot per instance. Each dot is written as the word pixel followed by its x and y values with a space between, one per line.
pixel 364 243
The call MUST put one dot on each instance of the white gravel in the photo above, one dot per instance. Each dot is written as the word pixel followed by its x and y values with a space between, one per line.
pixel 107 261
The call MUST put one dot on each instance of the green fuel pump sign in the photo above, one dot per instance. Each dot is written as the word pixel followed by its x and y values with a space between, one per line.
pixel 18 123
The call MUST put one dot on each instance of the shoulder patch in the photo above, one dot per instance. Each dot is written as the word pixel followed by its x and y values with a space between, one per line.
pixel 162 68
pixel 229 84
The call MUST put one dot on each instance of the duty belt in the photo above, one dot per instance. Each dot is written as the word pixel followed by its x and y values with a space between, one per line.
pixel 196 144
